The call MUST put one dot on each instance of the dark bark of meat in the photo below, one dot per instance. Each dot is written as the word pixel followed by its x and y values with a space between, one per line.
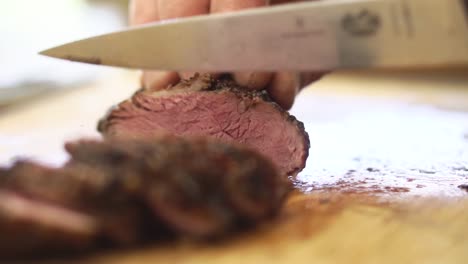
pixel 219 109
pixel 195 187
pixel 128 191
pixel 85 189
pixel 28 226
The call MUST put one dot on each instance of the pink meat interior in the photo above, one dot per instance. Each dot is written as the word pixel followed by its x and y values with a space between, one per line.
pixel 222 115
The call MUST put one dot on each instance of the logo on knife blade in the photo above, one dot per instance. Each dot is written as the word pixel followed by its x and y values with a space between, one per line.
pixel 364 23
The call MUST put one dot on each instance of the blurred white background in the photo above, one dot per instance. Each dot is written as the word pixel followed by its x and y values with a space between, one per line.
pixel 27 27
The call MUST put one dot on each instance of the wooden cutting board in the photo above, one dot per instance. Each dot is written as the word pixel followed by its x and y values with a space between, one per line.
pixel 388 154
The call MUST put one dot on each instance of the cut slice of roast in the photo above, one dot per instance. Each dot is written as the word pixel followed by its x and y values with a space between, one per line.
pixel 219 109
pixel 128 191
pixel 29 226
pixel 84 189
pixel 196 187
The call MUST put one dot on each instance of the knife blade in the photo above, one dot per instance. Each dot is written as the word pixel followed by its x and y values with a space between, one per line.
pixel 309 36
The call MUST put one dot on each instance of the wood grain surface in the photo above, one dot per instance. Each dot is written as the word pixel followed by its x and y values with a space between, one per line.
pixel 388 154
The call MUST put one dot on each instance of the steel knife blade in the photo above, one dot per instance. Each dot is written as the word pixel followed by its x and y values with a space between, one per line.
pixel 309 36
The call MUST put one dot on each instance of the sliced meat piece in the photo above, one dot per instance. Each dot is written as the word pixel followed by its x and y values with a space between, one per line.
pixel 28 226
pixel 219 109
pixel 85 190
pixel 196 186
pixel 127 191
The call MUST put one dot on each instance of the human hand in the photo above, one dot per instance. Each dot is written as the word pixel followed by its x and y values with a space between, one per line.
pixel 281 86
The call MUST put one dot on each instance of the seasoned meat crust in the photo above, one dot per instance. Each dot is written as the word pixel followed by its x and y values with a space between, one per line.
pixel 123 192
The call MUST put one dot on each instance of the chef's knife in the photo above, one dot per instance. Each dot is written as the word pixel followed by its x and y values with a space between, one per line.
pixel 309 36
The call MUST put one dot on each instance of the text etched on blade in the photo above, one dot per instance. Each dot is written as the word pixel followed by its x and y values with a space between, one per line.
pixel 301 30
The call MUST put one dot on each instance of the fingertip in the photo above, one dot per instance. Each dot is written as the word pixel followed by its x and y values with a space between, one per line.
pixel 157 80
pixel 169 9
pixel 219 6
pixel 283 89
pixel 186 75
pixel 143 11
pixel 279 2
pixel 307 78
pixel 253 80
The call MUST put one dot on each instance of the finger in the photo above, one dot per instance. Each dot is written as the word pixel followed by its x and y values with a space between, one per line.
pixel 253 80
pixel 182 8
pixel 187 75
pixel 247 79
pixel 278 2
pixel 156 80
pixel 170 9
pixel 307 78
pixel 219 6
pixel 283 89
pixel 143 11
